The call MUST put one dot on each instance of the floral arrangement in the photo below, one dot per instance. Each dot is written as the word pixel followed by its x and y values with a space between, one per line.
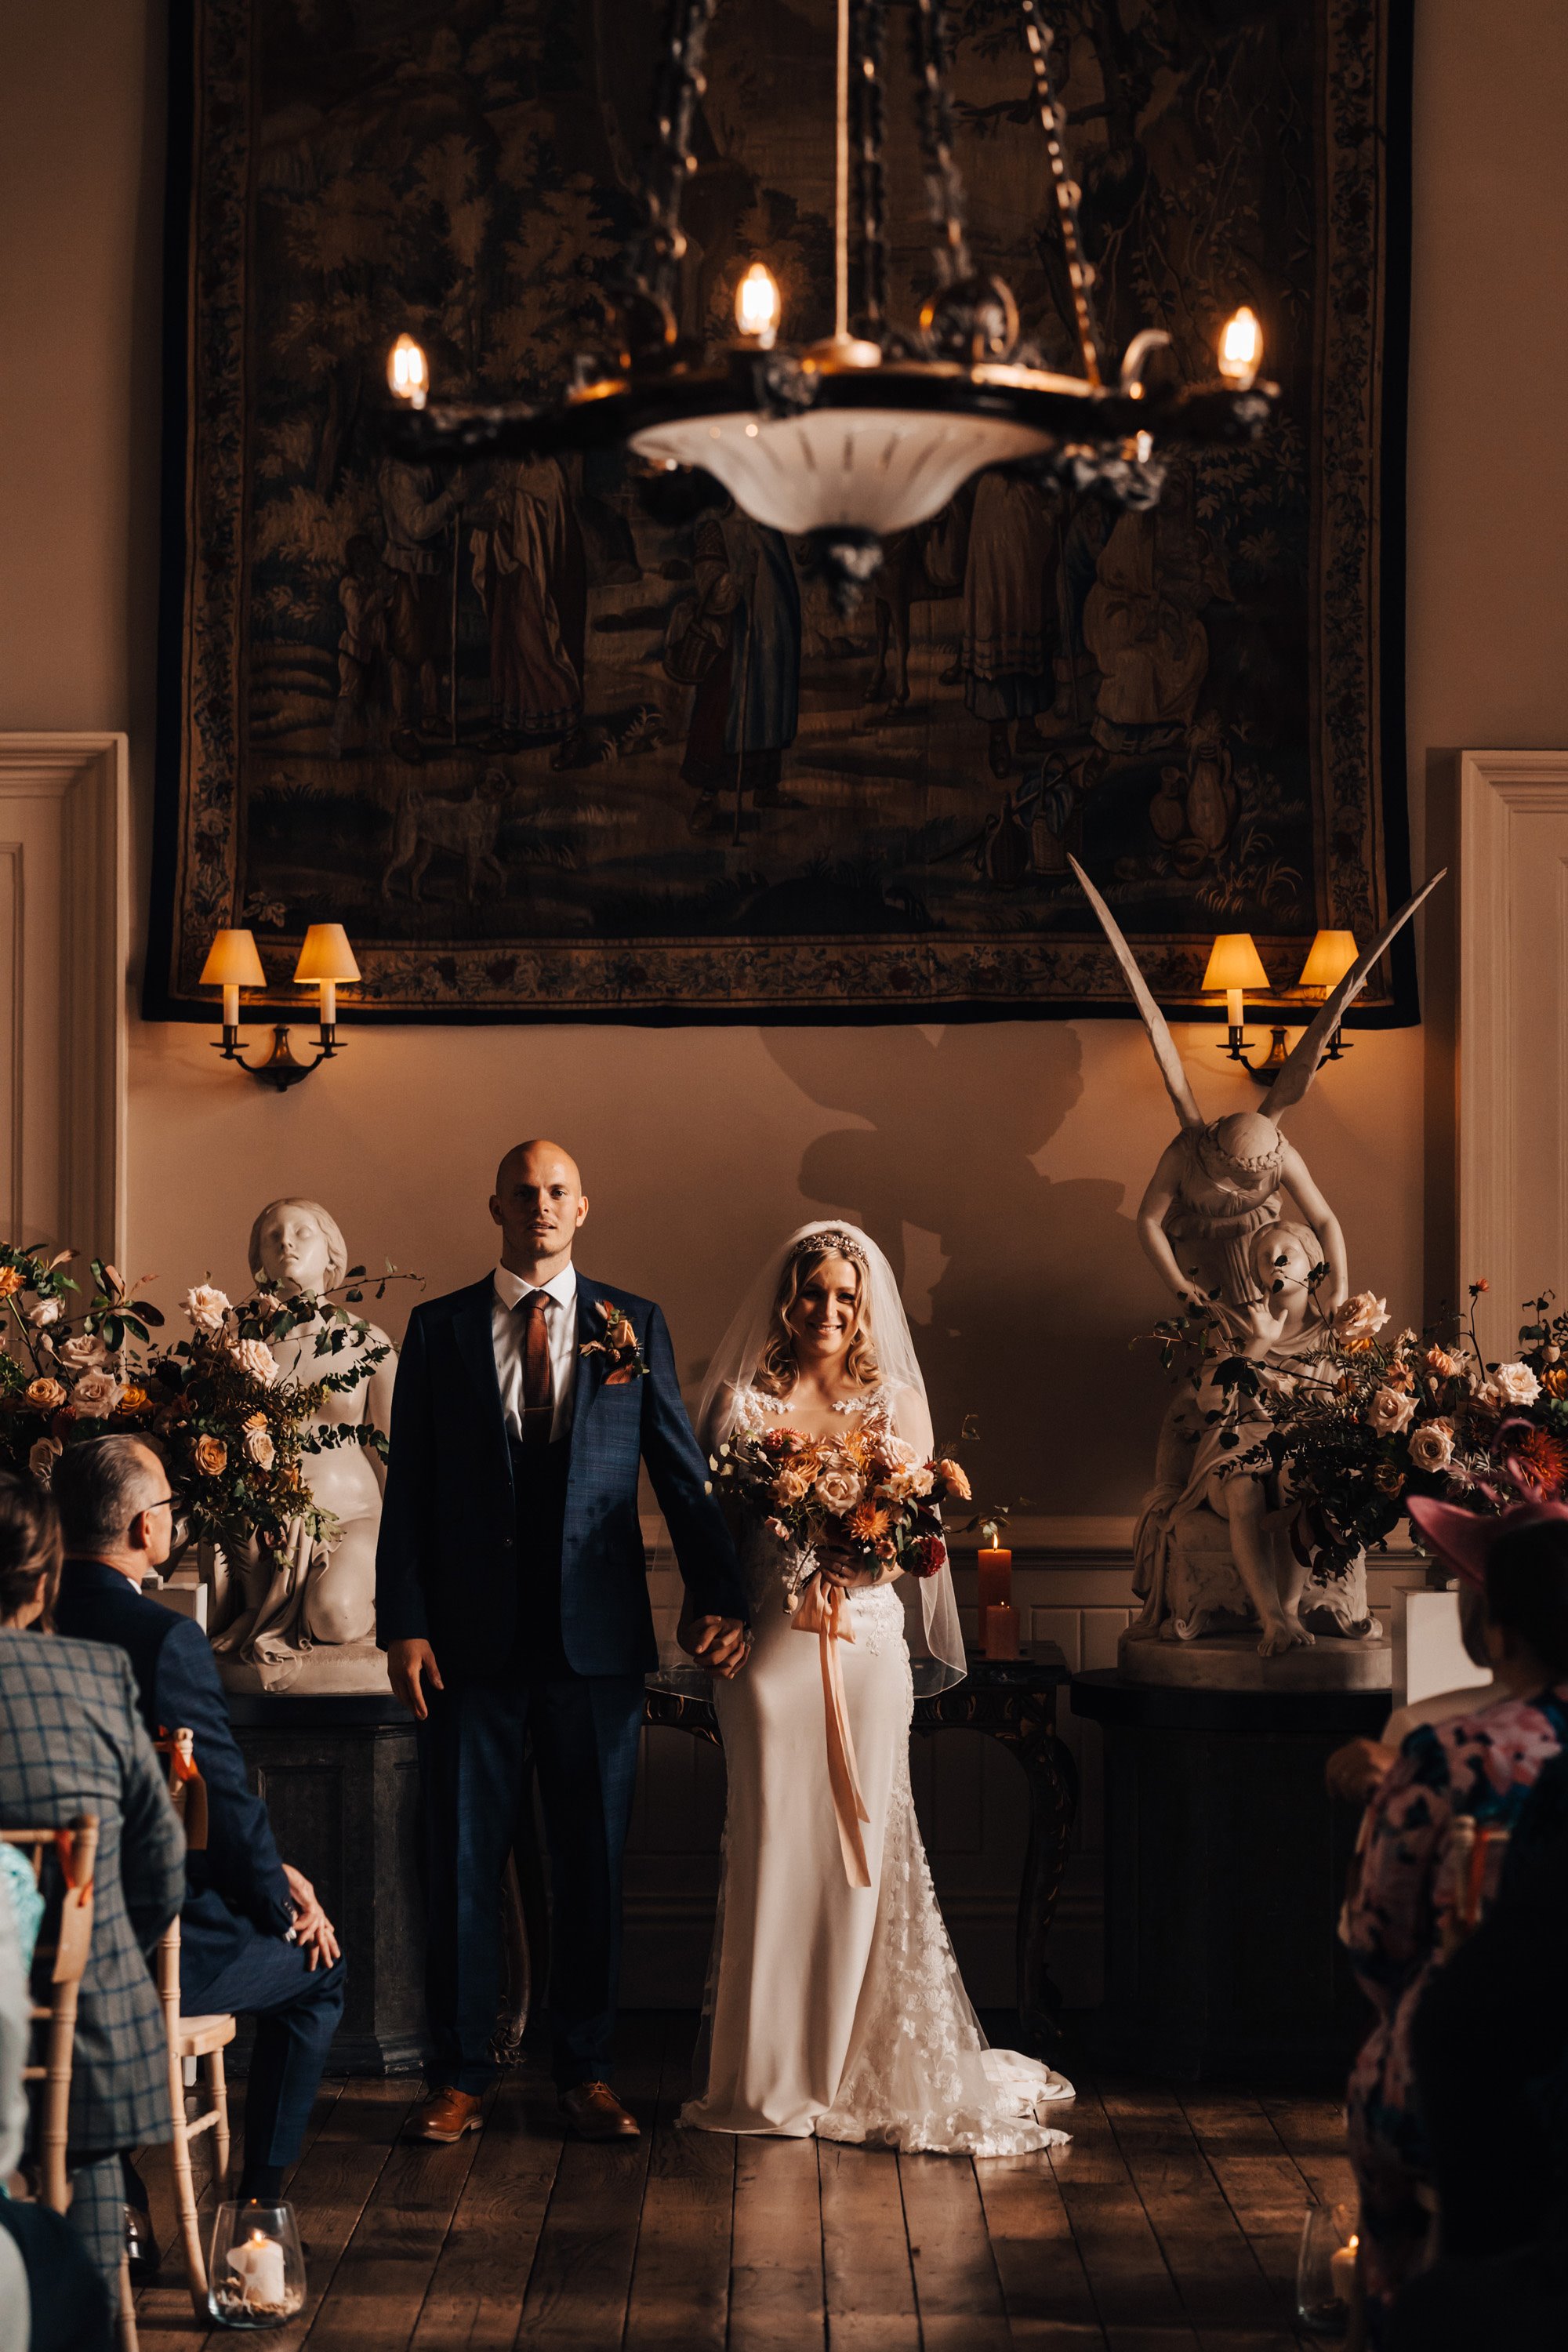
pixel 233 1429
pixel 859 1495
pixel 1360 1422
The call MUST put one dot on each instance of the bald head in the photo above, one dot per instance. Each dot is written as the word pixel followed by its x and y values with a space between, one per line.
pixel 539 1203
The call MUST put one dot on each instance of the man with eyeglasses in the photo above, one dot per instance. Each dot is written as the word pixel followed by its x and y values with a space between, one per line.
pixel 254 1938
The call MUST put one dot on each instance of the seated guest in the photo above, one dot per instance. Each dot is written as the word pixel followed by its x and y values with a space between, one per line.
pixel 253 1936
pixel 1479 1767
pixel 1489 2044
pixel 72 1742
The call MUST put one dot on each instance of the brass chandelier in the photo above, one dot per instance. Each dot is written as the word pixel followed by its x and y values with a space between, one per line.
pixel 872 429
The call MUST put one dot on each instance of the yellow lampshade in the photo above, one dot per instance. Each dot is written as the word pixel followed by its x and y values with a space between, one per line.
pixel 1234 962
pixel 325 955
pixel 233 962
pixel 1328 958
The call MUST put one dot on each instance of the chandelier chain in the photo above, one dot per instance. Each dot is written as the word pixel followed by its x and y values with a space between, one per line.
pixel 1038 38
pixel 933 111
pixel 679 86
pixel 867 127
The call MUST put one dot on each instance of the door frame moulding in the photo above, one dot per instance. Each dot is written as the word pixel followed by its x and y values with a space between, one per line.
pixel 76 941
pixel 1498 791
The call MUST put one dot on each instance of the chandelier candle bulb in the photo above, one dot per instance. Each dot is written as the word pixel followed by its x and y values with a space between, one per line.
pixel 408 372
pixel 758 305
pixel 1241 350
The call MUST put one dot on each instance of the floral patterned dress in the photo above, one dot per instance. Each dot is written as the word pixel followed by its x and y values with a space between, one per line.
pixel 1481 1765
pixel 834 2009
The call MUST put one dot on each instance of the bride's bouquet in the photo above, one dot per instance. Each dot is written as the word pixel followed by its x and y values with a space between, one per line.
pixel 860 1495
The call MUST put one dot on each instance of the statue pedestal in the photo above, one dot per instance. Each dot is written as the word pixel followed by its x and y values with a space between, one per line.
pixel 1230 1661
pixel 340 1783
pixel 1226 1864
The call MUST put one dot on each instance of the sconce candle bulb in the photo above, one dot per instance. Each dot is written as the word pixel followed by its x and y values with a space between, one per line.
pixel 757 304
pixel 408 372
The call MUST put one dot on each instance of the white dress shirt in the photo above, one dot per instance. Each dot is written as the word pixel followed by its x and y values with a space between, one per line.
pixel 506 1337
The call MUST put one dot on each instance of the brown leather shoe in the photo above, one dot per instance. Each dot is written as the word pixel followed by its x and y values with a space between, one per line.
pixel 446 2116
pixel 594 2112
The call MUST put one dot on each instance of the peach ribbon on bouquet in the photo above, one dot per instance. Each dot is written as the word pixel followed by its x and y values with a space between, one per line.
pixel 820 1611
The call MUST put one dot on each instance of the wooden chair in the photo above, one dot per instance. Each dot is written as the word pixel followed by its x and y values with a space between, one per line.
pixel 78 1850
pixel 200 2041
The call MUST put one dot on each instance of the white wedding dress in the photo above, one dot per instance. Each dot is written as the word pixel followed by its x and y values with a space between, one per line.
pixel 833 2009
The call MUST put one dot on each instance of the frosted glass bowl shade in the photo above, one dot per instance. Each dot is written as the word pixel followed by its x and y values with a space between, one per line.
pixel 879 470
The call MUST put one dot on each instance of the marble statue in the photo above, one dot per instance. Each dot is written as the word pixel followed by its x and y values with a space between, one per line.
pixel 1220 1546
pixel 303 1619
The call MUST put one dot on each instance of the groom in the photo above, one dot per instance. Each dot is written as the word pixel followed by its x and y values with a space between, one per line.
pixel 512 1599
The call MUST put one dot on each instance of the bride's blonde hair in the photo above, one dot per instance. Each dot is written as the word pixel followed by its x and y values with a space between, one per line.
pixel 777 1371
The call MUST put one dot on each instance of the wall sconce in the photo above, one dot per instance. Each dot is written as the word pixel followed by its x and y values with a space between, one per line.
pixel 1328 958
pixel 1235 966
pixel 326 960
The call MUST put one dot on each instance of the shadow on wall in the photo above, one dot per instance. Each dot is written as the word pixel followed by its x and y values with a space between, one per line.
pixel 1023 1292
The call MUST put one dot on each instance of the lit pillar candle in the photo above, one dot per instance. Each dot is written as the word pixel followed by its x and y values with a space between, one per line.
pixel 996 1566
pixel 1341 2270
pixel 259 2267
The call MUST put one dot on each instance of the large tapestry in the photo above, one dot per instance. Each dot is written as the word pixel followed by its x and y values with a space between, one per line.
pixel 578 740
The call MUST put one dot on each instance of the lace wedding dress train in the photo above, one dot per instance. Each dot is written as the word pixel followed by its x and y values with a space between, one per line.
pixel 833 2009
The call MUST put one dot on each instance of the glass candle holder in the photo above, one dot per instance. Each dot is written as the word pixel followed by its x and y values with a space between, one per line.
pixel 255 2269
pixel 1326 2269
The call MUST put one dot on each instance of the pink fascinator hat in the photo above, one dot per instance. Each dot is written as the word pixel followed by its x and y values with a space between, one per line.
pixel 1463 1539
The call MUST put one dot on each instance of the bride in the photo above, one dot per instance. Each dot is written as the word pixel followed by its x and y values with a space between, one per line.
pixel 833 2007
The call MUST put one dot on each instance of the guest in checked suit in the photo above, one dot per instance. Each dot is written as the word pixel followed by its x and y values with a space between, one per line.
pixel 253 1936
pixel 72 1742
pixel 511 1599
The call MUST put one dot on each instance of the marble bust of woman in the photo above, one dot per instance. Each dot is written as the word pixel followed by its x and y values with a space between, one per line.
pixel 307 1615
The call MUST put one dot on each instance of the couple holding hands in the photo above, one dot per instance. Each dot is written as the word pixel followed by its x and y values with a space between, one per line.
pixel 511 1599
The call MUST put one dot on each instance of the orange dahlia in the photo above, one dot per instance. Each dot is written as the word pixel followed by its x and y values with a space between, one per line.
pixel 1543 1460
pixel 867 1523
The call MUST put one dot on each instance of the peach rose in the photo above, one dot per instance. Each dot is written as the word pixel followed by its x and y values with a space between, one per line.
pixel 45 1395
pixel 42 1457
pixel 954 1479
pixel 132 1398
pixel 212 1456
pixel 1360 1319
pixel 42 1312
pixel 206 1307
pixel 791 1485
pixel 1391 1411
pixel 839 1488
pixel 1432 1445
pixel 1514 1384
pixel 258 1445
pixel 96 1393
pixel 84 1352
pixel 255 1358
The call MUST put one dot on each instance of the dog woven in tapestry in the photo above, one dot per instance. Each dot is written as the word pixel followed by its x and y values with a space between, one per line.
pixel 571 740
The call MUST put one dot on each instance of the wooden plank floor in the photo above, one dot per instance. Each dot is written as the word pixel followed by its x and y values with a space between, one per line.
pixel 1169 2225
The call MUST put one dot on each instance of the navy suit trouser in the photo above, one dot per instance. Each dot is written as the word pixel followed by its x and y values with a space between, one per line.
pixel 473 1751
pixel 297 2009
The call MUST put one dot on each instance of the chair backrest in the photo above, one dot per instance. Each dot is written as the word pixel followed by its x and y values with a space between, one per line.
pixel 188 1795
pixel 76 1848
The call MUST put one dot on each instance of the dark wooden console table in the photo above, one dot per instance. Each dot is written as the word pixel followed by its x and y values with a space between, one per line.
pixel 339 1778
pixel 1013 1701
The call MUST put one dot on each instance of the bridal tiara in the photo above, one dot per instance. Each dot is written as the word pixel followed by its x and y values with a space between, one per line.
pixel 830 1241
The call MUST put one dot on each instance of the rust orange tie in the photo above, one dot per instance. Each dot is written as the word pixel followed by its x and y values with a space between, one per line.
pixel 538 1389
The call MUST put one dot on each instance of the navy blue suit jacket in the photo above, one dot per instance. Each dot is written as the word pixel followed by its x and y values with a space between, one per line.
pixel 447 1564
pixel 237 1886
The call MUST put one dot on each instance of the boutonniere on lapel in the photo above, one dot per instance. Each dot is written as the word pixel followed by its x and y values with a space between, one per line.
pixel 619 1346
